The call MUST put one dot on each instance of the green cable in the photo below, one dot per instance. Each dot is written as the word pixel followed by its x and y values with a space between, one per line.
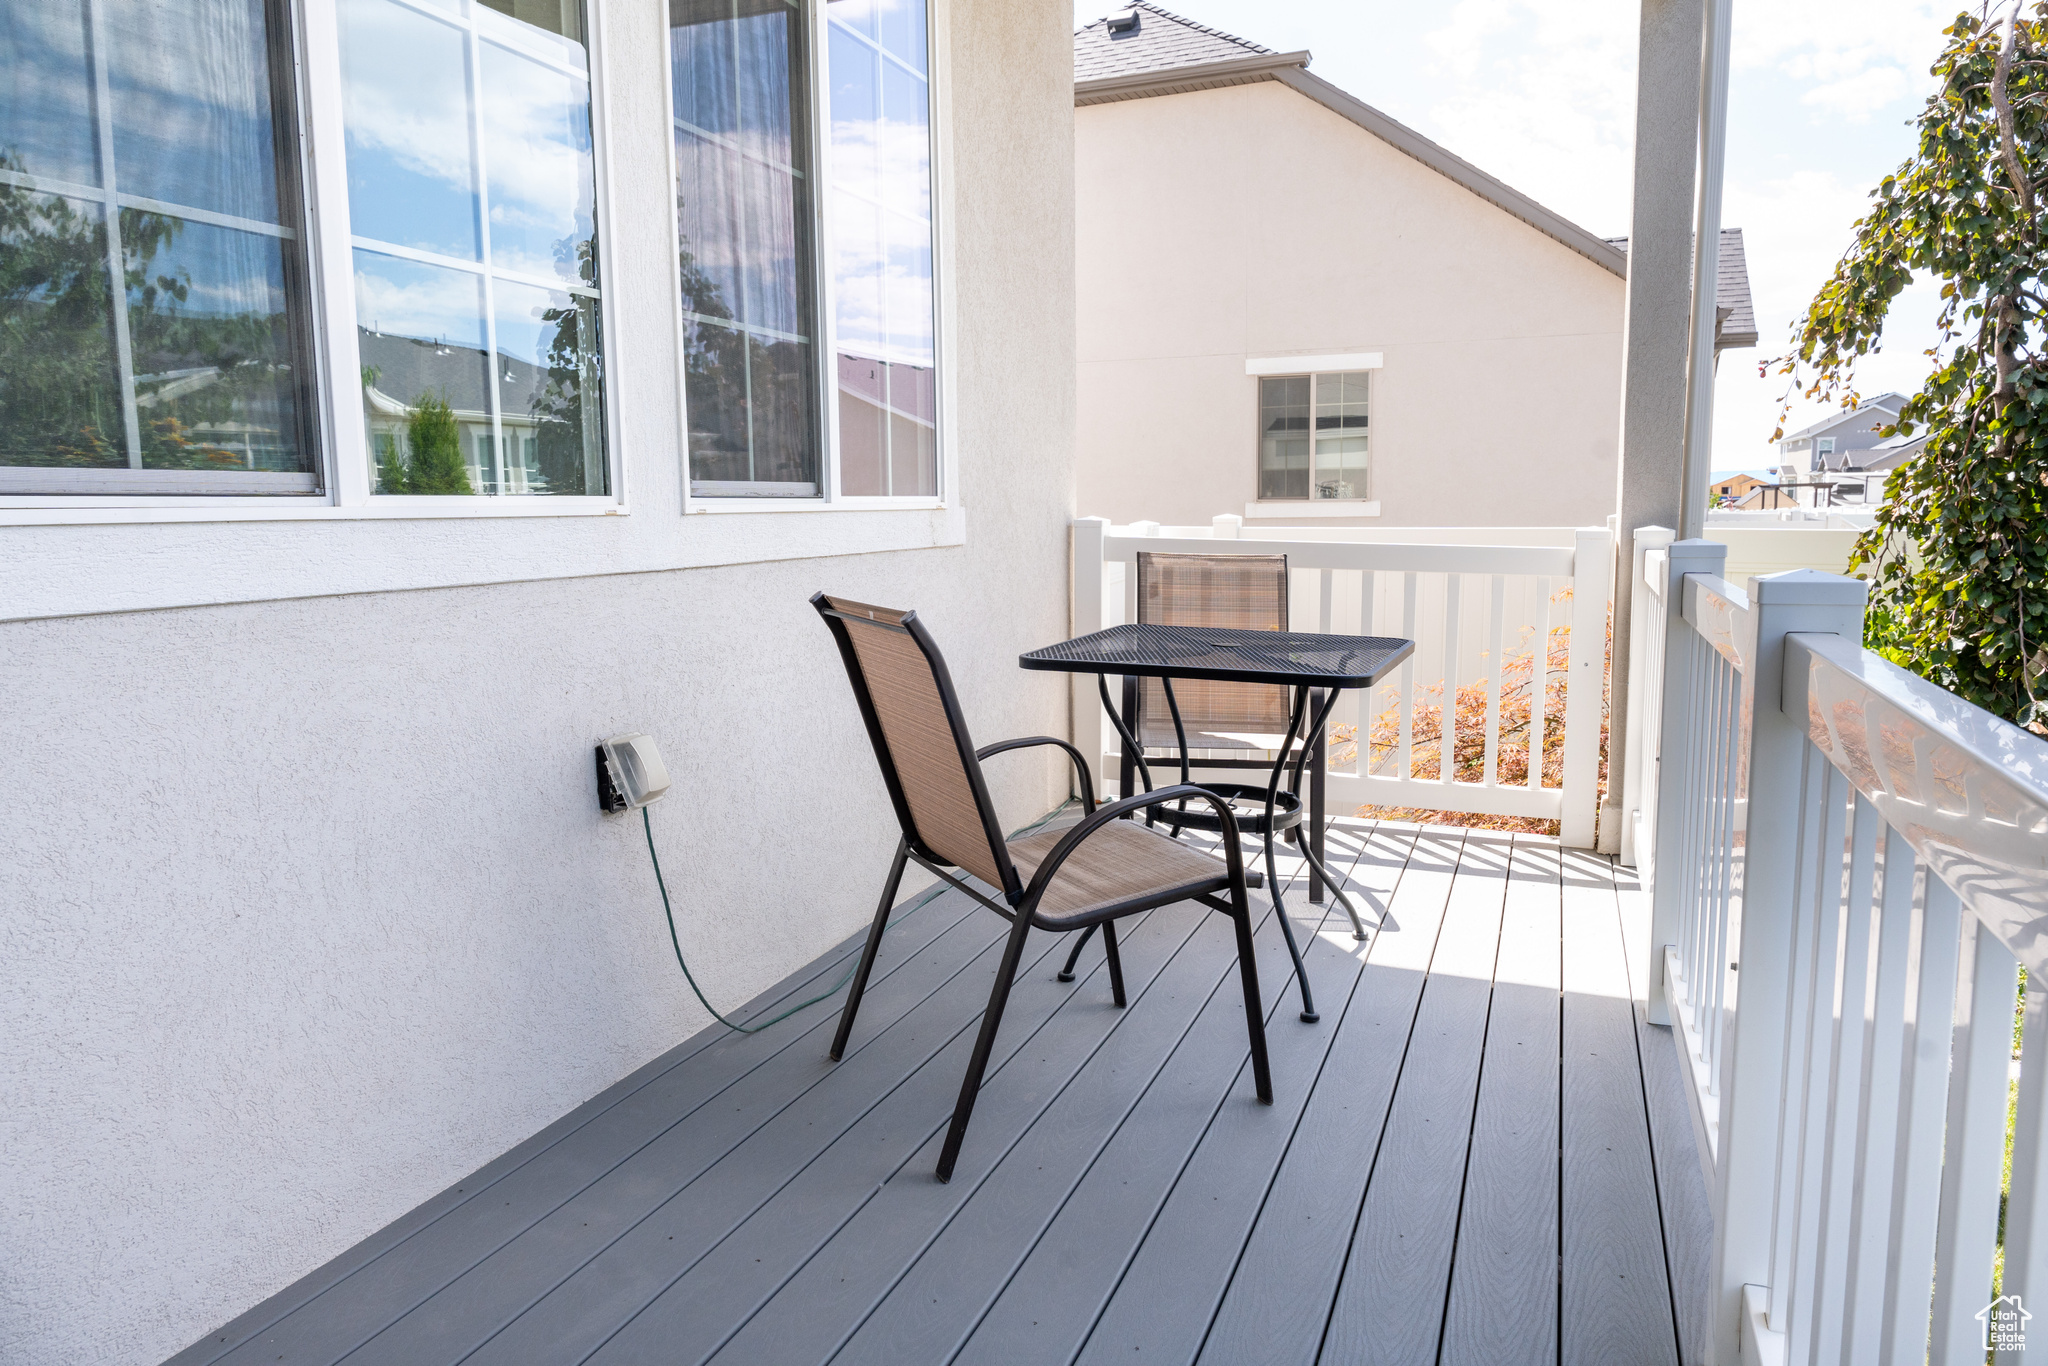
pixel 668 912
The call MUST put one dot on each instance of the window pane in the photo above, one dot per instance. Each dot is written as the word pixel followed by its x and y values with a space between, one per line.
pixel 1283 437
pixel 190 82
pixel 550 389
pixel 411 177
pixel 743 221
pixel 60 384
pixel 46 98
pixel 478 376
pixel 882 259
pixel 216 387
pixel 201 367
pixel 1341 435
pixel 426 374
pixel 536 123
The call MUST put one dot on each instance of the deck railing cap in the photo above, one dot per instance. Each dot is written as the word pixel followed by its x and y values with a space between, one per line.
pixel 1809 588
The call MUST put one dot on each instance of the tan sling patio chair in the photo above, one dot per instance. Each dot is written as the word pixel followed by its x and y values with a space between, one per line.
pixel 1093 874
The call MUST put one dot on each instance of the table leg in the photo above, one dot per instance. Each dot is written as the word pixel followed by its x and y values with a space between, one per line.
pixel 1309 1014
pixel 1318 760
pixel 1312 846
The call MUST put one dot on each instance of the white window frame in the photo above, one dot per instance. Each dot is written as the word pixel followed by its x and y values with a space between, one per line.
pixel 345 482
pixel 825 327
pixel 1313 368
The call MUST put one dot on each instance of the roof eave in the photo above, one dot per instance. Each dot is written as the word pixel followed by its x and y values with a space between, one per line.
pixel 1174 80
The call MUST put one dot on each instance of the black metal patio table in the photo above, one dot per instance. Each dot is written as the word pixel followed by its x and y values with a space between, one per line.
pixel 1305 662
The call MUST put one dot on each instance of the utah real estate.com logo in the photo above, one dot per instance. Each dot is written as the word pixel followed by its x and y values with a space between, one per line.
pixel 2005 1324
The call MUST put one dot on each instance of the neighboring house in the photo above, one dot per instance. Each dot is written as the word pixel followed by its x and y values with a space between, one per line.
pixel 1844 445
pixel 1735 489
pixel 1766 498
pixel 1293 306
pixel 310 908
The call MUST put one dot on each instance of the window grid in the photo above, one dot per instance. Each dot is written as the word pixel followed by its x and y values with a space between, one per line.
pixel 1313 434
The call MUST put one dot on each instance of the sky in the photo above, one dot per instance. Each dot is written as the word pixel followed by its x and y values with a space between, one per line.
pixel 1541 94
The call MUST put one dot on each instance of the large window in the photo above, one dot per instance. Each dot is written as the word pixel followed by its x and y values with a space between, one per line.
pixel 762 302
pixel 158 267
pixel 153 303
pixel 472 213
pixel 1312 436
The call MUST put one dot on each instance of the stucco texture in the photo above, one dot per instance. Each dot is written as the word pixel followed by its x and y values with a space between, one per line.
pixel 1251 221
pixel 309 910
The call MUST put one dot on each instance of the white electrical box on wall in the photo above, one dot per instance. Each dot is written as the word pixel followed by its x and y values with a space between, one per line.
pixel 630 773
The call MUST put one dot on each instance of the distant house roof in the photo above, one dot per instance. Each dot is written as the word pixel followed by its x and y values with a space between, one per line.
pixel 1886 403
pixel 1164 54
pixel 1735 316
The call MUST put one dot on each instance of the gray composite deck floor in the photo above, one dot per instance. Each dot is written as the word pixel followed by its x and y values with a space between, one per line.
pixel 1479 1155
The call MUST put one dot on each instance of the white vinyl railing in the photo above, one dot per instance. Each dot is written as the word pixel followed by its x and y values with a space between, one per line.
pixel 1489 621
pixel 1849 865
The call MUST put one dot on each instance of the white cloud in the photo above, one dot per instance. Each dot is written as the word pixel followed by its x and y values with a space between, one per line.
pixel 1859 96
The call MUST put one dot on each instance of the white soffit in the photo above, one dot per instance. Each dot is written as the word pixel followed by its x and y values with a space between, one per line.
pixel 1304 365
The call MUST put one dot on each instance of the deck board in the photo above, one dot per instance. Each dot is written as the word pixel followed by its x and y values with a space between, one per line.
pixel 1616 1293
pixel 1471 1104
pixel 1390 1302
pixel 1503 1301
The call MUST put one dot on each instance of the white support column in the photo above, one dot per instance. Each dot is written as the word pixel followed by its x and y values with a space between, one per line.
pixel 1586 674
pixel 1086 610
pixel 1772 748
pixel 1672 773
pixel 1637 755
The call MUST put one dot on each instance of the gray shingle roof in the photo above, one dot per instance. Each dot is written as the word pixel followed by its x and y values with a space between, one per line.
pixel 1731 291
pixel 1161 41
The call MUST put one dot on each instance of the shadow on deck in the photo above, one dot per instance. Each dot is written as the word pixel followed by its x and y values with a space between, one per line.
pixel 1480 1154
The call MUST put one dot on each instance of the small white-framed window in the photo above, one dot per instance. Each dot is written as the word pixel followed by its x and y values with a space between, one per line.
pixel 803 146
pixel 1314 437
pixel 177 322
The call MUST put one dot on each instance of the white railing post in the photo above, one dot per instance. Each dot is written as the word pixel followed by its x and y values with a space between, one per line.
pixel 1645 688
pixel 1671 772
pixel 1227 526
pixel 1770 753
pixel 1086 611
pixel 1586 673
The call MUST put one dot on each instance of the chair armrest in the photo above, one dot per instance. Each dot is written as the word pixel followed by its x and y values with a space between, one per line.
pixel 1026 742
pixel 1233 857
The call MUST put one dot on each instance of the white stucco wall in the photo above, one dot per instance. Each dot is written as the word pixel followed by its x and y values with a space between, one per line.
pixel 308 908
pixel 1250 220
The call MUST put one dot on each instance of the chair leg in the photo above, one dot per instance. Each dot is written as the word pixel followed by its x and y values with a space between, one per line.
pixel 1116 964
pixel 1254 1008
pixel 1067 972
pixel 867 954
pixel 984 1044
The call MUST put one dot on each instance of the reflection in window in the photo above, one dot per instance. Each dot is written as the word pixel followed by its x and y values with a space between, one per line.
pixel 472 201
pixel 1283 436
pixel 880 113
pixel 1336 466
pixel 151 143
pixel 744 211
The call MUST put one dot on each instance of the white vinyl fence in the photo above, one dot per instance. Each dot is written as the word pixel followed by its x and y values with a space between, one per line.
pixel 1848 865
pixel 1489 625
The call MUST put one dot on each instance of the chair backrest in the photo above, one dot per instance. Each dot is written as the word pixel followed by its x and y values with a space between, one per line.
pixel 1242 592
pixel 913 717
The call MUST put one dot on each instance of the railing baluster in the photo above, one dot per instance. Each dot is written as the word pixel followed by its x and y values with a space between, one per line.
pixel 1539 680
pixel 1845 1091
pixel 1447 715
pixel 1404 763
pixel 2026 1207
pixel 1805 972
pixel 1973 1158
pixel 1916 1198
pixel 1819 1028
pixel 1495 660
pixel 1877 1140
